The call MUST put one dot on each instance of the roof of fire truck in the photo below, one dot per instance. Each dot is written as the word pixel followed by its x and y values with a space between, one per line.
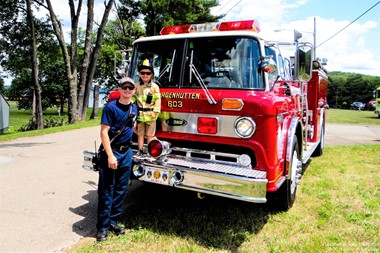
pixel 215 29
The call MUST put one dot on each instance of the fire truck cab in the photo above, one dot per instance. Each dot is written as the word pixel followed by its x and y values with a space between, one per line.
pixel 239 119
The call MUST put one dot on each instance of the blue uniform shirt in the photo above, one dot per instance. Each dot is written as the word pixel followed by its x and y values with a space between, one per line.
pixel 114 114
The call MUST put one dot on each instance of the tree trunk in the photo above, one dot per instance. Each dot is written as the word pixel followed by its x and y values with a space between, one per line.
pixel 36 84
pixel 95 53
pixel 34 105
pixel 70 73
pixel 95 105
pixel 86 59
pixel 76 104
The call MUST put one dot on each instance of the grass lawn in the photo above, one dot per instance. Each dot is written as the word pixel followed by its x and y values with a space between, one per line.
pixel 18 118
pixel 352 117
pixel 337 210
pixel 337 207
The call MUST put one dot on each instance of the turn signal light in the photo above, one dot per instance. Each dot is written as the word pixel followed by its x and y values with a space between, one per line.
pixel 232 104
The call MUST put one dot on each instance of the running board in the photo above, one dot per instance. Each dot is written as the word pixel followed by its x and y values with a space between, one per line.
pixel 308 151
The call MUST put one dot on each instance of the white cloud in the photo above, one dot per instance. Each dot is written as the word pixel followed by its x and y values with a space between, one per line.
pixel 352 50
pixel 62 10
pixel 348 51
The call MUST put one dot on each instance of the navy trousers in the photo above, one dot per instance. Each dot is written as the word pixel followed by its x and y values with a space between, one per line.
pixel 112 188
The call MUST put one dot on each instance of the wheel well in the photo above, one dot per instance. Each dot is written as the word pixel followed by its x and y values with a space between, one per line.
pixel 299 134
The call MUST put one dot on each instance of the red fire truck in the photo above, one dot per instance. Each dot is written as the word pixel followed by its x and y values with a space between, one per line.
pixel 239 119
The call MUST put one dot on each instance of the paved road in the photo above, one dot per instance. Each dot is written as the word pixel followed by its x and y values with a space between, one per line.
pixel 337 134
pixel 48 203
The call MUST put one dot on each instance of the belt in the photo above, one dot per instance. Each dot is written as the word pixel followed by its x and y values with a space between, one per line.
pixel 145 109
pixel 120 148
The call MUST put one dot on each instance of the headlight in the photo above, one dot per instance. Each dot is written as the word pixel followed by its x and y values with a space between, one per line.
pixel 245 127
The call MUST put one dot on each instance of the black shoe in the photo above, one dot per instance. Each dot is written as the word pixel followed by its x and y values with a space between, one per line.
pixel 139 155
pixel 117 229
pixel 101 236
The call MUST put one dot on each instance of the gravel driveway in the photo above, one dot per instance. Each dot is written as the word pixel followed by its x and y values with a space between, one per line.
pixel 48 203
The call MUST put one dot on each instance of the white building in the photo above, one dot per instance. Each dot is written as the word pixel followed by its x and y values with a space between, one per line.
pixel 103 94
pixel 4 114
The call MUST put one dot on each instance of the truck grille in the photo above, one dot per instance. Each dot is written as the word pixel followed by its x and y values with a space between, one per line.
pixel 215 166
pixel 211 151
pixel 209 161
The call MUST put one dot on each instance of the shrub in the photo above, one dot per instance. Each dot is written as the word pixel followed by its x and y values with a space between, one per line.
pixel 48 122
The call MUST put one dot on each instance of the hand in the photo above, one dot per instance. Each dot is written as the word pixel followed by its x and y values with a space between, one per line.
pixel 112 162
pixel 154 115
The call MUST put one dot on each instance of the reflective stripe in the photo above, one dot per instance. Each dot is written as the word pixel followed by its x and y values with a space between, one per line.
pixel 145 118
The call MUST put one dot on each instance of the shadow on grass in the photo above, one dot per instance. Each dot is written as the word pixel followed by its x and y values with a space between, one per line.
pixel 212 222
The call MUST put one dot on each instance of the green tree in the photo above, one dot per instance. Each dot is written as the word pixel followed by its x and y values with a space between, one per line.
pixel 53 88
pixel 37 105
pixel 118 38
pixel 117 42
pixel 159 13
pixel 16 46
pixel 345 88
pixel 83 78
pixel 12 12
pixel 2 88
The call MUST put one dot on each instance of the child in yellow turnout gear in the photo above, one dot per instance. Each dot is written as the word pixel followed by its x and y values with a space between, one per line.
pixel 148 100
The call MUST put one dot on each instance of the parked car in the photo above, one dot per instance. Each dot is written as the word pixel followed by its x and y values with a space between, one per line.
pixel 371 105
pixel 357 106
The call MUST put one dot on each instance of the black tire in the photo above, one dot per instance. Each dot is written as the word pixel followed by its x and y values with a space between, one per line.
pixel 285 197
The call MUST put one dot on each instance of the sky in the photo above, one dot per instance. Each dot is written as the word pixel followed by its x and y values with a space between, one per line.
pixel 355 49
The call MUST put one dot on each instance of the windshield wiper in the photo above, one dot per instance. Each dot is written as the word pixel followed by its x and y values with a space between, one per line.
pixel 169 67
pixel 193 70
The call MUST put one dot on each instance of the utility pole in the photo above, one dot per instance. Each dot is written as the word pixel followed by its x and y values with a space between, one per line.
pixel 315 38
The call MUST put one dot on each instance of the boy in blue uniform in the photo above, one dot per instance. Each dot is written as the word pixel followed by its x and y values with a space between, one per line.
pixel 115 160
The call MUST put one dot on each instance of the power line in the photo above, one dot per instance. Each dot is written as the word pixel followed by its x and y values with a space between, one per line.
pixel 232 7
pixel 222 6
pixel 348 24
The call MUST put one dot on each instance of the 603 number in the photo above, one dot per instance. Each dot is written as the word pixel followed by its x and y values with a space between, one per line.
pixel 175 104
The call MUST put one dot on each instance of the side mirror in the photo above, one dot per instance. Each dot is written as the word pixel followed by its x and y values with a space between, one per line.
pixel 267 64
pixel 304 54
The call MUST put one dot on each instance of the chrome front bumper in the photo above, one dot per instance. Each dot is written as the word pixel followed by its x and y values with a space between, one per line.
pixel 205 176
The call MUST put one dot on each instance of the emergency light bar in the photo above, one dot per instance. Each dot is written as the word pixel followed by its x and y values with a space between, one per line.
pixel 252 25
pixel 176 29
pixel 240 25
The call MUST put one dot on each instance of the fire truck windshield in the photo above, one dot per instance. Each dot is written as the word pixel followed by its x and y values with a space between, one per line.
pixel 208 63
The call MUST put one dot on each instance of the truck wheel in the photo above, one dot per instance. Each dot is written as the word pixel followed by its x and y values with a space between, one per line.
pixel 284 198
pixel 319 150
